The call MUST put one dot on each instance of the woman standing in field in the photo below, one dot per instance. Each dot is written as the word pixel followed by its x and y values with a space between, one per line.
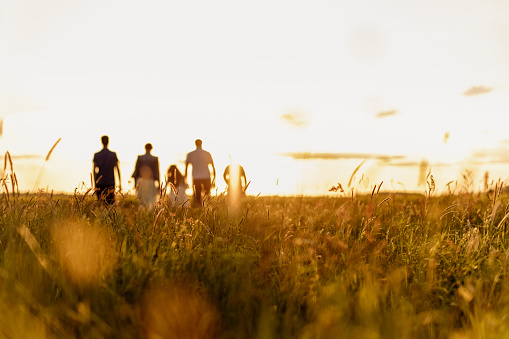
pixel 176 185
pixel 146 177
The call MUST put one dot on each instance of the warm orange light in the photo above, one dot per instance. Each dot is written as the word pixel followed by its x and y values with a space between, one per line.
pixel 84 252
pixel 176 310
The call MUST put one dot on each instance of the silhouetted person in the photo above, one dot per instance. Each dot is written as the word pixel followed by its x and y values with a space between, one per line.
pixel 176 185
pixel 200 160
pixel 235 177
pixel 146 177
pixel 104 164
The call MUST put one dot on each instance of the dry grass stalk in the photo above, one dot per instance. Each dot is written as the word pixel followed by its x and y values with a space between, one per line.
pixel 7 157
pixel 39 254
pixel 355 171
pixel 52 148
pixel 38 181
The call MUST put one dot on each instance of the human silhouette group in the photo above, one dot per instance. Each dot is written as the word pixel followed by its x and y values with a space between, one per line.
pixel 147 181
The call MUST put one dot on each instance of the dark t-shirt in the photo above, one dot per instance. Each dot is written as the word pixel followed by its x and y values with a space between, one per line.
pixel 106 161
pixel 149 161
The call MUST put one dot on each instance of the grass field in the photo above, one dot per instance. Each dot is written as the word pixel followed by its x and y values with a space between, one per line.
pixel 371 266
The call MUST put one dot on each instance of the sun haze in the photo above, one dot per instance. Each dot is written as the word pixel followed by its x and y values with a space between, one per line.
pixel 258 82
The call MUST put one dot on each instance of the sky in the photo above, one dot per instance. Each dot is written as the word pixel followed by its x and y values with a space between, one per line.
pixel 299 92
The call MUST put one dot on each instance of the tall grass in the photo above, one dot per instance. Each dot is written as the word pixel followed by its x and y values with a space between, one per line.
pixel 372 266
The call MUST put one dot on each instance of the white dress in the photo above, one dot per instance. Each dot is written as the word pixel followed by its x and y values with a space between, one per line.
pixel 177 194
pixel 147 192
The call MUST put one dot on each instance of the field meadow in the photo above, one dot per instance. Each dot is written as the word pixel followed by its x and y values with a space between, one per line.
pixel 379 265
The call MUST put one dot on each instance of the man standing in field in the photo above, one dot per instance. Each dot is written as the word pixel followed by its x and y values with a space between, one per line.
pixel 200 160
pixel 105 162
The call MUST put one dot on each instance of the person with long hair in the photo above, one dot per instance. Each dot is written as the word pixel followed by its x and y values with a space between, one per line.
pixel 176 185
pixel 235 178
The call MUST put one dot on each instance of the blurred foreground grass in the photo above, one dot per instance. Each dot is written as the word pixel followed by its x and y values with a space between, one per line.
pixel 375 266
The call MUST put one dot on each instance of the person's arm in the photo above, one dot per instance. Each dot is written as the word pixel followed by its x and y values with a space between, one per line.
pixel 119 178
pixel 94 173
pixel 157 174
pixel 226 174
pixel 213 173
pixel 243 175
pixel 136 169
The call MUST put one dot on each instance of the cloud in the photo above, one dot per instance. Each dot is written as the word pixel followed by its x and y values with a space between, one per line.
pixel 23 157
pixel 10 161
pixel 491 155
pixel 295 119
pixel 418 163
pixel 446 137
pixel 504 142
pixel 386 114
pixel 336 156
pixel 409 163
pixel 477 90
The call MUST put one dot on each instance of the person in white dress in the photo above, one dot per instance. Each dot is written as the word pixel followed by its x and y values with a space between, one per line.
pixel 176 186
pixel 146 178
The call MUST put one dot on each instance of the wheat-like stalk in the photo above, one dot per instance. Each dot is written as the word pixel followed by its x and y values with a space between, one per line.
pixel 7 157
pixel 355 171
pixel 37 182
pixel 4 178
pixel 52 148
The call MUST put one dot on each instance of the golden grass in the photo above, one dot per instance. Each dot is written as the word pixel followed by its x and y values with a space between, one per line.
pixel 84 252
pixel 369 266
pixel 178 310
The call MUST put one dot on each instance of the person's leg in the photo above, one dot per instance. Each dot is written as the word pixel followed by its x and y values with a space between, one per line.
pixel 197 187
pixel 206 187
pixel 99 192
pixel 109 195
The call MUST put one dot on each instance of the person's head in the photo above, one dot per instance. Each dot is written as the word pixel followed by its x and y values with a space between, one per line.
pixel 198 143
pixel 148 147
pixel 174 174
pixel 105 140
